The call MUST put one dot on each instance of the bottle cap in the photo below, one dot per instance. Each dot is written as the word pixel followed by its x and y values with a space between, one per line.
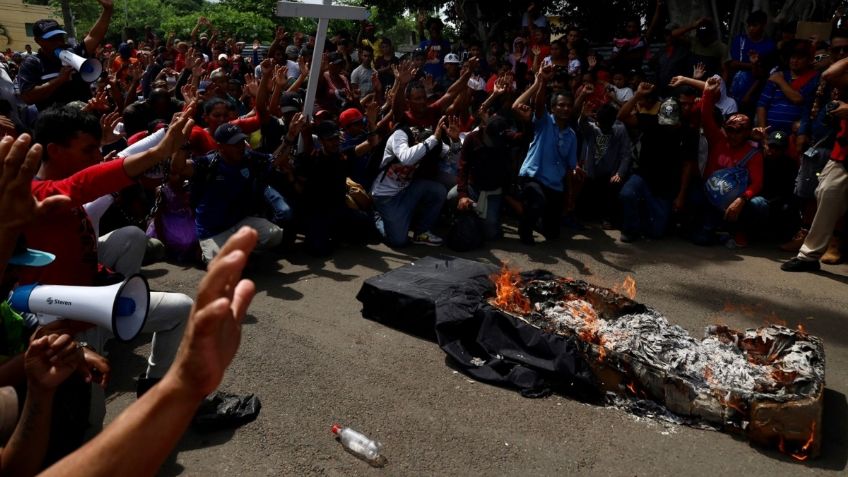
pixel 336 429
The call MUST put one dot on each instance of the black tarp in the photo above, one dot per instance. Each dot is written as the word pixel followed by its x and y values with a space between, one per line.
pixel 445 299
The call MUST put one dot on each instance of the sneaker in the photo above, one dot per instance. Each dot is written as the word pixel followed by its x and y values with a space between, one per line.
pixel 798 265
pixel 427 238
pixel 797 241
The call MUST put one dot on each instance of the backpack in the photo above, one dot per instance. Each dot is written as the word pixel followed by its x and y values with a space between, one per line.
pixel 726 185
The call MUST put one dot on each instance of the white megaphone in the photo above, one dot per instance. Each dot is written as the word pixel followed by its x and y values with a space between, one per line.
pixel 88 68
pixel 121 308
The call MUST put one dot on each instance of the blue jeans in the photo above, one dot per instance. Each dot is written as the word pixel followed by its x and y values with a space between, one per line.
pixel 634 195
pixel 394 214
pixel 281 211
pixel 710 218
pixel 492 221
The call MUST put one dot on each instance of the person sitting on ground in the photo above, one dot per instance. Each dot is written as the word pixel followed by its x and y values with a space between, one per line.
pixel 72 165
pixel 667 156
pixel 606 155
pixel 779 172
pixel 322 177
pixel 484 175
pixel 227 186
pixel 399 197
pixel 731 148
pixel 552 155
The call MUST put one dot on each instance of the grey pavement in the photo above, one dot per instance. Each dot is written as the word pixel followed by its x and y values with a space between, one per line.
pixel 313 360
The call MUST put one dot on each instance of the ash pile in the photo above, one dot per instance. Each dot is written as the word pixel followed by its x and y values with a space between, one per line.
pixel 765 383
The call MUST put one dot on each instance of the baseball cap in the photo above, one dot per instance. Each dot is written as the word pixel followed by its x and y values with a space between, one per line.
pixel 669 113
pixel 290 102
pixel 222 56
pixel 46 28
pixel 777 139
pixel 327 130
pixel 350 116
pixel 27 257
pixel 452 58
pixel 229 134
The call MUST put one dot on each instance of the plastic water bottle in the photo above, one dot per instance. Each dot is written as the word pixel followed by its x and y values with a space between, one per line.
pixel 360 445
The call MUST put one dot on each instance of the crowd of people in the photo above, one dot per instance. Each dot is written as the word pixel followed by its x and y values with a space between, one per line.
pixel 182 148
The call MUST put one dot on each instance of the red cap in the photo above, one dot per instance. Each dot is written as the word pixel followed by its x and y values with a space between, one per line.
pixel 336 429
pixel 349 116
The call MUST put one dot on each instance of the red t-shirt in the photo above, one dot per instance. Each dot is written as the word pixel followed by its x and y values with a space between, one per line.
pixel 68 234
pixel 721 155
pixel 838 154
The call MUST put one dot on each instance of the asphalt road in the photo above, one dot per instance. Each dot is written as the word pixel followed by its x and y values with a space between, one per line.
pixel 313 360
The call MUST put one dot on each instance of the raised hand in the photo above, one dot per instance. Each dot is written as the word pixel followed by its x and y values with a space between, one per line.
pixel 213 332
pixel 179 130
pixel 453 128
pixel 592 60
pixel 429 82
pixel 440 128
pixel 281 74
pixel 189 92
pixel 644 89
pixel 523 112
pixel 251 86
pixel 699 70
pixel 108 123
pixel 20 163
pixel 677 81
pixel 298 122
pixel 547 73
pixel 713 85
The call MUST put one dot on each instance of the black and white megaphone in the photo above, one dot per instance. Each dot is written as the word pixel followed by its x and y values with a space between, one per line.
pixel 88 68
pixel 121 308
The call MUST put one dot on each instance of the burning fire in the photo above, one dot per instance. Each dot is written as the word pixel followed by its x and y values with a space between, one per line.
pixel 803 453
pixel 627 288
pixel 508 296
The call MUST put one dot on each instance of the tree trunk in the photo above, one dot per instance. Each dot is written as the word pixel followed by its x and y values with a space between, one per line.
pixel 68 18
pixel 684 12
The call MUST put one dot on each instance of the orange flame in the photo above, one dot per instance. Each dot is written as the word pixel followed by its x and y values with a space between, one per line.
pixel 803 452
pixel 802 329
pixel 632 387
pixel 508 296
pixel 627 288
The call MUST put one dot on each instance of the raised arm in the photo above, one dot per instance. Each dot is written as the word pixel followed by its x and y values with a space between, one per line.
pixel 542 78
pixel 837 74
pixel 98 31
pixel 626 115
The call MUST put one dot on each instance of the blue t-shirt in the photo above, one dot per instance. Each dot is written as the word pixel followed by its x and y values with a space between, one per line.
pixel 434 55
pixel 224 194
pixel 780 112
pixel 552 153
pixel 739 49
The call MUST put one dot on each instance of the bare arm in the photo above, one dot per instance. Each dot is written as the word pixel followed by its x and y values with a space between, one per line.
pixel 837 74
pixel 98 31
pixel 140 439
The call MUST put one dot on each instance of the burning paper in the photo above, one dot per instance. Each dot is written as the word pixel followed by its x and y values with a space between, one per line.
pixel 767 383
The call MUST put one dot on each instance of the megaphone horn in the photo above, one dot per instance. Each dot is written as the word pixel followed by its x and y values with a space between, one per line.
pixel 88 68
pixel 121 308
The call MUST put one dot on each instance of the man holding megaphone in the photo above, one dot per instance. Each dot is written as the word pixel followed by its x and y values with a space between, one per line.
pixel 71 166
pixel 44 79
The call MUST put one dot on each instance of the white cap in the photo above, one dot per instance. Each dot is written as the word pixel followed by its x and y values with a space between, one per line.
pixel 452 58
pixel 222 56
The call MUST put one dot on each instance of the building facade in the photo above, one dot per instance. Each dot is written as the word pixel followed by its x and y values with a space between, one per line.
pixel 16 20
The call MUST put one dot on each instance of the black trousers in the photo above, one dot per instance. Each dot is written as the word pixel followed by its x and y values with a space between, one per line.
pixel 540 203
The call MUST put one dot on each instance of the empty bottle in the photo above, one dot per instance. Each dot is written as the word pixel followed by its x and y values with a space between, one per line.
pixel 360 445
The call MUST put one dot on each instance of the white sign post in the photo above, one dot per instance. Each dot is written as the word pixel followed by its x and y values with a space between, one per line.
pixel 324 13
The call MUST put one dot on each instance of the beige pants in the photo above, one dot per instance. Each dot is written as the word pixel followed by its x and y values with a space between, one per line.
pixel 270 236
pixel 832 198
